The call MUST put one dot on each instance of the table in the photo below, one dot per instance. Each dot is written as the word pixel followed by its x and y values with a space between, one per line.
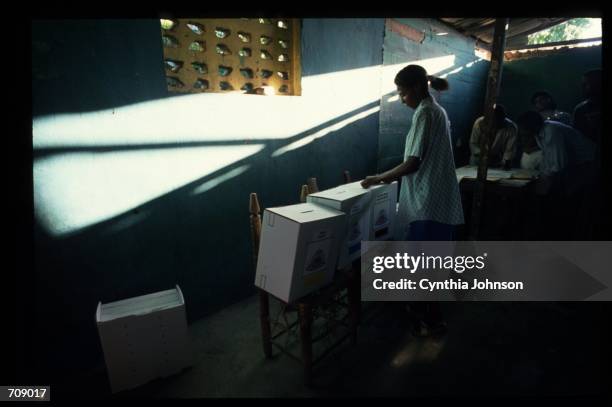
pixel 510 202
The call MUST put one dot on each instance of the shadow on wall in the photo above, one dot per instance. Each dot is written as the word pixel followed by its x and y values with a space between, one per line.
pixel 327 43
pixel 89 65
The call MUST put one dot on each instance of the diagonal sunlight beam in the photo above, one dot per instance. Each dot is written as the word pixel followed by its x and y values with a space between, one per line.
pixel 208 185
pixel 92 167
pixel 324 132
pixel 212 116
pixel 77 190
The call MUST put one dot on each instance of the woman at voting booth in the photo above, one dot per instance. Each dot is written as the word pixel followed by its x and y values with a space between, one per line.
pixel 429 200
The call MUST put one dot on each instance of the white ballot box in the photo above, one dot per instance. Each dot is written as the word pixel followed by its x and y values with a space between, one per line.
pixel 144 338
pixel 355 203
pixel 383 208
pixel 298 249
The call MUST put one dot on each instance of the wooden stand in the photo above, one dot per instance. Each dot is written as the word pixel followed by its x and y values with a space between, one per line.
pixel 306 307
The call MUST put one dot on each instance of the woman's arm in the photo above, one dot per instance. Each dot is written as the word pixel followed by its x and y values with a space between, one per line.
pixel 407 167
pixel 416 149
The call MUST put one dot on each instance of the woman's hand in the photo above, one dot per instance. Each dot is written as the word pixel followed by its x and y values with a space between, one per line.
pixel 370 180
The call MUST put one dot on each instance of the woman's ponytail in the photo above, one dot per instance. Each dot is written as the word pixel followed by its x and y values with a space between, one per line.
pixel 436 83
pixel 416 76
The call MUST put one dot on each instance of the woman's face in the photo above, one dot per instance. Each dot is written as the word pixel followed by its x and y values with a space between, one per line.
pixel 408 96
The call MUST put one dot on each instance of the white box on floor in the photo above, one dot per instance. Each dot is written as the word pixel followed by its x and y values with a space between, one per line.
pixel 298 249
pixel 356 204
pixel 144 338
pixel 383 207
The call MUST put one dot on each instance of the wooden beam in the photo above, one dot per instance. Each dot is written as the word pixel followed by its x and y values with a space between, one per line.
pixel 296 56
pixel 493 85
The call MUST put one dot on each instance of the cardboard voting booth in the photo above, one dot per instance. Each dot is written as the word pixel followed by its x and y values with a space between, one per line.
pixel 298 249
pixel 383 209
pixel 355 203
pixel 144 338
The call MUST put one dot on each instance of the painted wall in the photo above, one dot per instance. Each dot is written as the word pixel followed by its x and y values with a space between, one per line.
pixel 88 65
pixel 559 74
pixel 450 56
pixel 135 191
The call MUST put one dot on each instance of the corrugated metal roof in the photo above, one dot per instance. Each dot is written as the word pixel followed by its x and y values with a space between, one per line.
pixel 518 28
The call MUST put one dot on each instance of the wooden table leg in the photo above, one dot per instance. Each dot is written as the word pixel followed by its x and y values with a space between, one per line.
pixel 264 318
pixel 305 315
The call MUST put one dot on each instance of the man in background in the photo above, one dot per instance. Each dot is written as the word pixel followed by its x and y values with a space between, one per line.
pixel 545 105
pixel 503 147
pixel 567 173
pixel 587 114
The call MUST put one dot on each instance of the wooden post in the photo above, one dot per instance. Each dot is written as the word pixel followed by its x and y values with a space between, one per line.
pixel 304 193
pixel 312 185
pixel 493 84
pixel 264 299
pixel 254 210
pixel 296 60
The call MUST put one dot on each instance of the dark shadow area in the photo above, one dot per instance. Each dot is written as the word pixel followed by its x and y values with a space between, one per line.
pixel 493 349
pixel 90 65
pixel 517 350
pixel 325 44
pixel 523 77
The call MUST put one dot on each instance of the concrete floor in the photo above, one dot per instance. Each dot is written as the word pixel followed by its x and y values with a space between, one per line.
pixel 491 349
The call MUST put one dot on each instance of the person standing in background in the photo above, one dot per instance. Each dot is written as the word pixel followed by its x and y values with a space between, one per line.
pixel 587 120
pixel 545 105
pixel 567 174
pixel 587 114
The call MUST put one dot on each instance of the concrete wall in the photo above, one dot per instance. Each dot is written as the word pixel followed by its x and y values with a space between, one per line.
pixel 135 191
pixel 560 74
pixel 450 56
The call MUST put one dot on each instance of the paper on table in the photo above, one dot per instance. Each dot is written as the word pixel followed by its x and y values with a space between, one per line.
pixel 471 171
pixel 525 174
